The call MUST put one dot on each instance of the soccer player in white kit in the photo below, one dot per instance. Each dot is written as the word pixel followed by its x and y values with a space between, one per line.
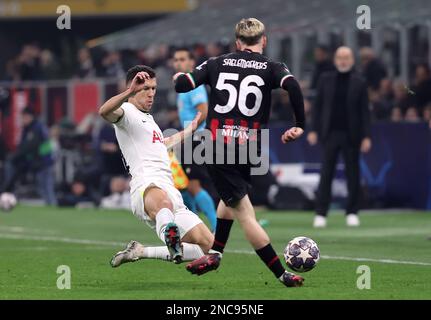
pixel 153 194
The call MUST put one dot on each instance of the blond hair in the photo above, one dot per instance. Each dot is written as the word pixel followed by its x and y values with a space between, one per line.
pixel 249 31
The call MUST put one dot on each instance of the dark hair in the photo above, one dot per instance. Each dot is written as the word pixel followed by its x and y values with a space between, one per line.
pixel 29 111
pixel 425 66
pixel 132 72
pixel 191 56
pixel 323 47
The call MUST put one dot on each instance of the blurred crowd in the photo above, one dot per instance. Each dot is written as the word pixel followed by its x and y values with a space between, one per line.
pixel 390 99
pixel 98 176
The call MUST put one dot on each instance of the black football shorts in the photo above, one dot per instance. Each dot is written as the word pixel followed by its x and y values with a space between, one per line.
pixel 232 181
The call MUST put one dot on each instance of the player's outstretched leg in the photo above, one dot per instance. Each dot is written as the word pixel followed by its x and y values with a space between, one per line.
pixel 290 279
pixel 258 238
pixel 133 252
pixel 173 242
pixel 212 260
pixel 206 263
pixel 159 208
pixel 260 241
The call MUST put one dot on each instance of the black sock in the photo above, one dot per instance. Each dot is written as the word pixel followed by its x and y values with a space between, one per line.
pixel 222 234
pixel 271 259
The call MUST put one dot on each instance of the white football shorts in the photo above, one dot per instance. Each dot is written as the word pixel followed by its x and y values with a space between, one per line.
pixel 184 218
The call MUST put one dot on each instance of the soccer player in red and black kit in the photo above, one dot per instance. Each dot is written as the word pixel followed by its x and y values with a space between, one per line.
pixel 240 100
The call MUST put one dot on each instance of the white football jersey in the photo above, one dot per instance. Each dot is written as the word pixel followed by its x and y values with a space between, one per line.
pixel 143 148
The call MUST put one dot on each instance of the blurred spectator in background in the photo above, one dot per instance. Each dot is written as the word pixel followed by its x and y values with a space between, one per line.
pixel 213 50
pixel 199 52
pixel 385 103
pixel 372 68
pixel 49 66
pixel 162 55
pixel 402 99
pixel 280 103
pixel 105 163
pixel 29 65
pixel 396 115
pixel 341 121
pixel 427 113
pixel 412 115
pixel 2 149
pixel 119 197
pixel 75 195
pixel 279 110
pixel 422 86
pixel 322 63
pixel 109 151
pixel 12 70
pixel 112 66
pixel 34 154
pixel 85 67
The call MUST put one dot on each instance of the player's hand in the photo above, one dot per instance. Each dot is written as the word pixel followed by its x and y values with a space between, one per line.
pixel 312 138
pixel 195 121
pixel 365 145
pixel 138 82
pixel 291 134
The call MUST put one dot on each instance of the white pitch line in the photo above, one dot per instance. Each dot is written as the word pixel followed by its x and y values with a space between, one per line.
pixel 60 239
pixel 416 263
pixel 115 244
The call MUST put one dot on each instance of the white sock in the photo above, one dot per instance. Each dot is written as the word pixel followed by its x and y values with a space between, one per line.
pixel 215 251
pixel 163 217
pixel 191 251
pixel 161 253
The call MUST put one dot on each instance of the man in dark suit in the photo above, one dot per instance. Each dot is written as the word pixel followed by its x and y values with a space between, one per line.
pixel 341 121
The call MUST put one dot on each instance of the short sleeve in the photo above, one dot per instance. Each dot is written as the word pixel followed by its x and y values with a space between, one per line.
pixel 199 96
pixel 280 72
pixel 121 122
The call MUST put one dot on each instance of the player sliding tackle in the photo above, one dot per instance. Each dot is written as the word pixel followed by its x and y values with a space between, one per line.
pixel 154 197
pixel 241 85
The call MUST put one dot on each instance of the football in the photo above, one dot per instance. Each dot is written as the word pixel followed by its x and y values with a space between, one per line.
pixel 301 254
pixel 7 201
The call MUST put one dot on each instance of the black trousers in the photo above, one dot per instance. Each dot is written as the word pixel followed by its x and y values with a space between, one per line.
pixel 336 143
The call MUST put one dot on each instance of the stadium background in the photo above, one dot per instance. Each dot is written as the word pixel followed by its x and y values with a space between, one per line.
pixel 65 75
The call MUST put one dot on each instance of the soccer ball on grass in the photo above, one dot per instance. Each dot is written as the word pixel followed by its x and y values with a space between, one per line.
pixel 7 201
pixel 301 254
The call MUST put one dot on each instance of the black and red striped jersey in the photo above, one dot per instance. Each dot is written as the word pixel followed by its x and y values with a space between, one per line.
pixel 240 95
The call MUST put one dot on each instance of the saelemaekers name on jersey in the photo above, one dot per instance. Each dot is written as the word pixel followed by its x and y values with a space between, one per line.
pixel 242 63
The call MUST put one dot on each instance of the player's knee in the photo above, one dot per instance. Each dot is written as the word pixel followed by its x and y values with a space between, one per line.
pixel 155 201
pixel 206 242
pixel 209 239
pixel 165 203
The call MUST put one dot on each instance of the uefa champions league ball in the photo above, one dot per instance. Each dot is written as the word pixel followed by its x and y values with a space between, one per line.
pixel 301 254
pixel 7 201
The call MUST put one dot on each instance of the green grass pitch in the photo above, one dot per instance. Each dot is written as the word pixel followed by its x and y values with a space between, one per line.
pixel 35 241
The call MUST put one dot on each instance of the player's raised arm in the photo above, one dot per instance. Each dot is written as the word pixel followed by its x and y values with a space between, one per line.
pixel 180 136
pixel 185 82
pixel 110 110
